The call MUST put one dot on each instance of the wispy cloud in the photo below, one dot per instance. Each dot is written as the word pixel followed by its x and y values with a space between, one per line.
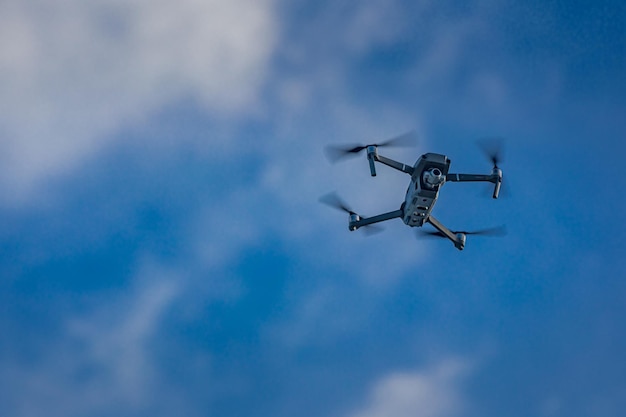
pixel 72 73
pixel 434 392
pixel 104 359
pixel 118 342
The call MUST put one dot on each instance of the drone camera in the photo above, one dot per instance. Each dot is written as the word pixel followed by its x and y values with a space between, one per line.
pixel 434 177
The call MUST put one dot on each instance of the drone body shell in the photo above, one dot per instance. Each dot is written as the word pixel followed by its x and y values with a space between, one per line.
pixel 421 195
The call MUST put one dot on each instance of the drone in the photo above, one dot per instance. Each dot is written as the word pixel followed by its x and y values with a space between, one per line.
pixel 429 173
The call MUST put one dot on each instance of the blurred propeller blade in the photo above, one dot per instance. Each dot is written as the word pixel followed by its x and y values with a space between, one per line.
pixel 493 149
pixel 371 229
pixel 497 231
pixel 407 139
pixel 336 153
pixel 333 200
pixel 429 233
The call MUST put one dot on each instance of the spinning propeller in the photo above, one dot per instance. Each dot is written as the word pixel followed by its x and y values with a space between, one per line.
pixel 492 148
pixel 336 153
pixel 498 231
pixel 333 200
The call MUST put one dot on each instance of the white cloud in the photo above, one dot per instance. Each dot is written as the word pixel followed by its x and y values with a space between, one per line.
pixel 105 360
pixel 435 392
pixel 73 72
pixel 116 341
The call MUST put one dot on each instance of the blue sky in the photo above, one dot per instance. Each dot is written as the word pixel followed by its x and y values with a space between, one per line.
pixel 163 250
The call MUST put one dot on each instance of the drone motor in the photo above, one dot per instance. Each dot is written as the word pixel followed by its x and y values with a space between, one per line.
pixel 354 219
pixel 461 239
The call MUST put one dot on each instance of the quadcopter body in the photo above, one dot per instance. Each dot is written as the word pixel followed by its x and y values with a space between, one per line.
pixel 429 173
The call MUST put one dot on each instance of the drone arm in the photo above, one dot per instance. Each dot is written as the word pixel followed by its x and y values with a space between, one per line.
pixel 372 155
pixel 396 165
pixel 495 177
pixel 470 178
pixel 360 222
pixel 459 243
